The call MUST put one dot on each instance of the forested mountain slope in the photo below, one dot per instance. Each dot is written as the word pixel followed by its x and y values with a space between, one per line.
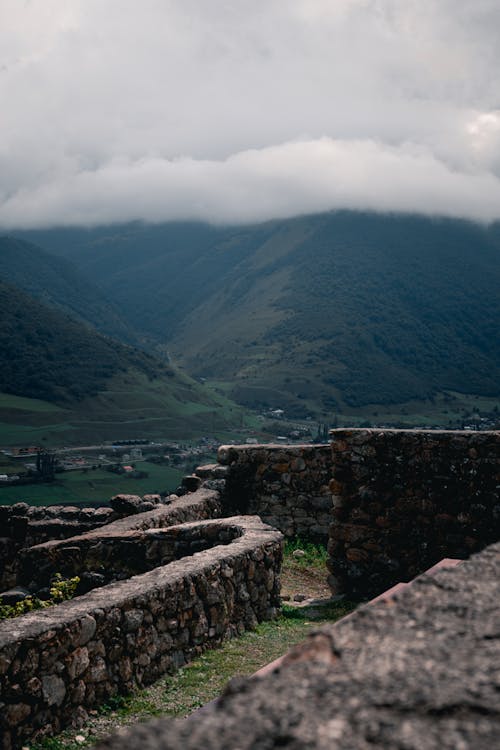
pixel 56 282
pixel 62 382
pixel 46 355
pixel 336 309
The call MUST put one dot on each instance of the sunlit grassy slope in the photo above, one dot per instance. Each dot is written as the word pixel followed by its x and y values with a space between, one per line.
pixel 131 406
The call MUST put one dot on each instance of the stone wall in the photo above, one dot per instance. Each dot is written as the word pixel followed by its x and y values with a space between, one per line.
pixel 403 500
pixel 286 485
pixel 420 674
pixel 57 663
pixel 23 525
pixel 99 558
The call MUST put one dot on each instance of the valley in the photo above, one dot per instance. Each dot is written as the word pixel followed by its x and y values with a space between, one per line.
pixel 340 318
pixel 91 475
pixel 362 311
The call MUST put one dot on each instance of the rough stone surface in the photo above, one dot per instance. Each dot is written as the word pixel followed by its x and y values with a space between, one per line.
pixel 405 499
pixel 102 557
pixel 128 505
pixel 286 485
pixel 23 525
pixel 57 663
pixel 90 554
pixel 421 673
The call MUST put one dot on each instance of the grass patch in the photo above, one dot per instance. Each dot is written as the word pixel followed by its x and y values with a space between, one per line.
pixel 315 555
pixel 93 486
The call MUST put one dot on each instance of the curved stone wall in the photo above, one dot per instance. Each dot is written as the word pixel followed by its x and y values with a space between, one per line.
pixel 28 527
pixel 103 557
pixel 23 525
pixel 57 663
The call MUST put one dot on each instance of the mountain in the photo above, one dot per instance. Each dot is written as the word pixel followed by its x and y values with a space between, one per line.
pixel 314 314
pixel 56 282
pixel 50 356
pixel 155 274
pixel 61 379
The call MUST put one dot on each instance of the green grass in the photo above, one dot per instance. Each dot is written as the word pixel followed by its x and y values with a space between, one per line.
pixel 132 406
pixel 204 679
pixel 315 555
pixel 8 401
pixel 93 486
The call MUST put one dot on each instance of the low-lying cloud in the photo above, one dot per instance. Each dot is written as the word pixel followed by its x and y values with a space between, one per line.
pixel 242 112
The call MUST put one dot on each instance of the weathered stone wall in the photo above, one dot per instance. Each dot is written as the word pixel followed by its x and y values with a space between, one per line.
pixel 286 485
pixel 421 674
pixel 99 558
pixel 403 500
pixel 57 663
pixel 23 525
pixel 31 524
pixel 26 526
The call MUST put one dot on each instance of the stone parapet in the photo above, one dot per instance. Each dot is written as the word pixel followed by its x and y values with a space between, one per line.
pixel 57 663
pixel 120 550
pixel 59 523
pixel 23 525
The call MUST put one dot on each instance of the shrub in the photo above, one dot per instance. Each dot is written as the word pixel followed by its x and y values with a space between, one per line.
pixel 61 589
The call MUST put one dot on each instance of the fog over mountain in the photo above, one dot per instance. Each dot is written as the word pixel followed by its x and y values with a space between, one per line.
pixel 245 111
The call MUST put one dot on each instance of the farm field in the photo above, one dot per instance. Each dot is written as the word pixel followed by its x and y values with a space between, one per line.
pixel 93 486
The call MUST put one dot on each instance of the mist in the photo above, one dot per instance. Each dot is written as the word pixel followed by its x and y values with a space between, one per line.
pixel 242 112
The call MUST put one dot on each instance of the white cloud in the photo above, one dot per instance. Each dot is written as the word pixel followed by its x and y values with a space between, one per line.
pixel 115 110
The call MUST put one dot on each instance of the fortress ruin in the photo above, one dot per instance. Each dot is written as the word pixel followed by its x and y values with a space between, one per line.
pixel 159 586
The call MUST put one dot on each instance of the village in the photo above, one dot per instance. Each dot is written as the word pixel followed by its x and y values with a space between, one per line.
pixel 133 457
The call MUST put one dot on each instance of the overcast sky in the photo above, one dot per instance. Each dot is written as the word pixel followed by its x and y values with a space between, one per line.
pixel 245 110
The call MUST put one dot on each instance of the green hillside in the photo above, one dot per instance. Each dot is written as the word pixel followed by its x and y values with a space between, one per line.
pixel 131 406
pixel 56 282
pixel 46 355
pixel 64 383
pixel 315 314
